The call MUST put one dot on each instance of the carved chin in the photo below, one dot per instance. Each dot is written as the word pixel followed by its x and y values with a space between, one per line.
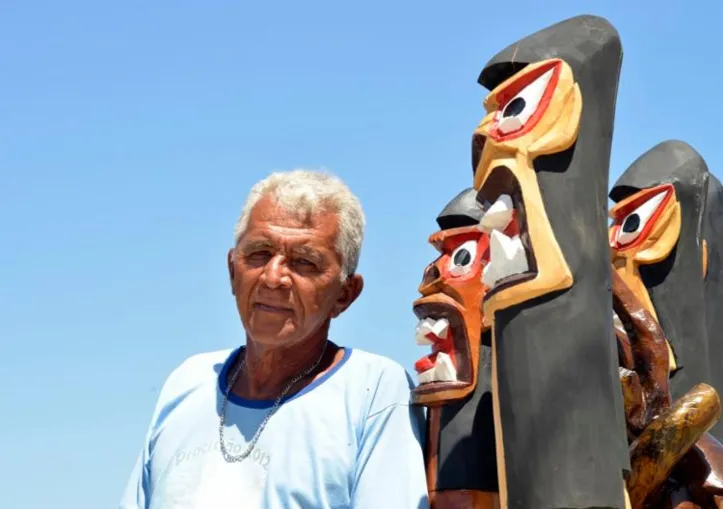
pixel 449 366
pixel 511 258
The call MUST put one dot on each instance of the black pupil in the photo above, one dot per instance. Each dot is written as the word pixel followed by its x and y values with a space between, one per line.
pixel 514 107
pixel 462 257
pixel 631 224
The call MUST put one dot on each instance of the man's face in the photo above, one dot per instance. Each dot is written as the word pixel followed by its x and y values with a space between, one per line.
pixel 286 275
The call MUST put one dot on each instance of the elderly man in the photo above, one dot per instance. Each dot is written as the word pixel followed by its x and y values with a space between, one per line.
pixel 291 419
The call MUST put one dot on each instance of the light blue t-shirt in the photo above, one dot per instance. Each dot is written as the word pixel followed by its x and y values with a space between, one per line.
pixel 348 440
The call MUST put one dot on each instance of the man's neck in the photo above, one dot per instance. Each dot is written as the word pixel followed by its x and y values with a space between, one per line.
pixel 268 370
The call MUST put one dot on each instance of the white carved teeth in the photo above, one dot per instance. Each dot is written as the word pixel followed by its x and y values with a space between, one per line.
pixel 446 372
pixel 431 326
pixel 499 215
pixel 443 371
pixel 507 257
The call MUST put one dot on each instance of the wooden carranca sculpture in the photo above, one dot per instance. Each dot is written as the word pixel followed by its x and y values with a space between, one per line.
pixel 573 332
pixel 541 158
pixel 657 248
pixel 659 254
pixel 713 285
pixel 455 378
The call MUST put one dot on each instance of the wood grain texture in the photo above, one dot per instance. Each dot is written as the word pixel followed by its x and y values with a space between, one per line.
pixel 464 499
pixel 667 439
pixel 646 392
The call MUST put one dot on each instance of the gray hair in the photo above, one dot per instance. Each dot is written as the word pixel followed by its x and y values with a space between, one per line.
pixel 308 191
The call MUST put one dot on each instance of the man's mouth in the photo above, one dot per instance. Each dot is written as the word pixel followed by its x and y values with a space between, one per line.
pixel 271 308
pixel 441 328
pixel 511 259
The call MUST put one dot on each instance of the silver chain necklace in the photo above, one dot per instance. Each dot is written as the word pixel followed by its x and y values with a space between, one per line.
pixel 233 459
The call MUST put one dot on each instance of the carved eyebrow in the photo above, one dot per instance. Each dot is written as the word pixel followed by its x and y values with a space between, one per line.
pixel 635 200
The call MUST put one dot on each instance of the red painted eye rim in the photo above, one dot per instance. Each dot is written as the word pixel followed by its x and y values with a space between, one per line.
pixel 623 212
pixel 508 93
pixel 452 243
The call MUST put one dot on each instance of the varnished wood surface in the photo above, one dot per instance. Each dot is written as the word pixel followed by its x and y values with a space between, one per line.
pixel 644 353
pixel 667 439
pixel 464 499
pixel 434 415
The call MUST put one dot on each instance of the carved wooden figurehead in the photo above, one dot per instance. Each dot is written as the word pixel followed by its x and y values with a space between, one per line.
pixel 656 241
pixel 454 380
pixel 665 213
pixel 541 155
pixel 713 284
pixel 556 341
pixel 450 321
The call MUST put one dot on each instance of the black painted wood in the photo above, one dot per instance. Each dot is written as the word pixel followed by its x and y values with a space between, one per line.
pixel 560 396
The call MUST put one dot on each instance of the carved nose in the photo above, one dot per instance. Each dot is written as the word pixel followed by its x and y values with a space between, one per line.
pixel 431 274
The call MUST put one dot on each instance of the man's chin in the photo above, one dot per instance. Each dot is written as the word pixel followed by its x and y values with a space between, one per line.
pixel 276 331
pixel 272 334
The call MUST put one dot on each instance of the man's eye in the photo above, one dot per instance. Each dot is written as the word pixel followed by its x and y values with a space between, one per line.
pixel 258 255
pixel 305 264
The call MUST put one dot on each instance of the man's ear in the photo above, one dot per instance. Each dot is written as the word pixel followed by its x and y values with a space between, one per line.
pixel 230 263
pixel 351 290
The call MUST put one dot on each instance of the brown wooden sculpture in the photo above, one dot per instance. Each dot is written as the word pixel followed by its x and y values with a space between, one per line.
pixel 454 381
pixel 661 437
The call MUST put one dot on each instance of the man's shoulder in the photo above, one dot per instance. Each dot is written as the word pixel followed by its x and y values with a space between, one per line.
pixel 385 378
pixel 376 364
pixel 196 369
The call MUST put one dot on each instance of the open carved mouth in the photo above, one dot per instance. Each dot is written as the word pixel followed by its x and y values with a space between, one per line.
pixel 441 326
pixel 511 258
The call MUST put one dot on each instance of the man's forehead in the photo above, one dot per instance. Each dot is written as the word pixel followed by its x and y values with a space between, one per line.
pixel 271 238
pixel 268 211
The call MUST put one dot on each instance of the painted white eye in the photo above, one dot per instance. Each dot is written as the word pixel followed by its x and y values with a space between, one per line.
pixel 518 110
pixel 462 258
pixel 634 223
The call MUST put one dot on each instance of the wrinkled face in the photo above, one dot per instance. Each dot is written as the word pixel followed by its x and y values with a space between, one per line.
pixel 533 113
pixel 450 318
pixel 285 275
pixel 645 229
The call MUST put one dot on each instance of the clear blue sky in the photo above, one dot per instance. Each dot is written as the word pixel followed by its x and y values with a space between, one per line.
pixel 131 132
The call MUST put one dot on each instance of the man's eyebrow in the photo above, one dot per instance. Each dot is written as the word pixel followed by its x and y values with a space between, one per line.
pixel 308 252
pixel 254 245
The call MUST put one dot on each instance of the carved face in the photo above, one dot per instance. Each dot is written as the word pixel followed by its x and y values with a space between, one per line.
pixel 645 229
pixel 450 318
pixel 534 113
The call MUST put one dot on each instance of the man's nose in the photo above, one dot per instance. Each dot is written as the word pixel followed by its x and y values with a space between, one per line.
pixel 276 273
